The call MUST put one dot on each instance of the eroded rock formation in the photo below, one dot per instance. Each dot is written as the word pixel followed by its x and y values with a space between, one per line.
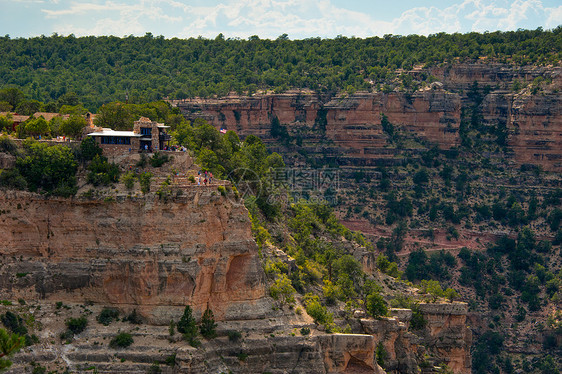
pixel 145 254
pixel 347 129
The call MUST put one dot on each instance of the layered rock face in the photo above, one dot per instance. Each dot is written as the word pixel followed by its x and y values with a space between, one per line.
pixel 156 257
pixel 145 254
pixel 448 335
pixel 347 130
pixel 344 129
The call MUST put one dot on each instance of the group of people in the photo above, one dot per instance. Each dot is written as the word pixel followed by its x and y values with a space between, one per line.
pixel 175 148
pixel 205 177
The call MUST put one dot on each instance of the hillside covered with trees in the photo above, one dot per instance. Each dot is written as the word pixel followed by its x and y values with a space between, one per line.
pixel 104 69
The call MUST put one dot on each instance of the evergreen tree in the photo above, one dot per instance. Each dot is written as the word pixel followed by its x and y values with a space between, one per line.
pixel 187 325
pixel 208 325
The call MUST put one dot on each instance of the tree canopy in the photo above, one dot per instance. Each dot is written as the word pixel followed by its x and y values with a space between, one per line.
pixel 59 69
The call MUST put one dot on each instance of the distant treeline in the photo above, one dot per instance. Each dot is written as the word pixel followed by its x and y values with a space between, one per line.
pixel 148 68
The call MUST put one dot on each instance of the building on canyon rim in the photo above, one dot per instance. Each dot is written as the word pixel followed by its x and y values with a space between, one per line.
pixel 147 135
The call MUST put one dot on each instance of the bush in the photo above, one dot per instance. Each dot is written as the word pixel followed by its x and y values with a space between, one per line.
pixel 14 323
pixel 305 331
pixel 171 360
pixel 77 325
pixel 143 161
pixel 129 180
pixel 7 145
pixel 234 336
pixel 107 316
pixel 376 306
pixel 11 178
pixel 318 312
pixel 51 168
pixel 155 368
pixel 122 340
pixel 418 321
pixel 102 172
pixel 144 180
pixel 134 318
pixel 89 149
pixel 283 290
pixel 158 159
pixel 381 354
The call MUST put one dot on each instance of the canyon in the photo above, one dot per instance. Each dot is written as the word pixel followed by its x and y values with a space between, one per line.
pixel 155 257
pixel 346 129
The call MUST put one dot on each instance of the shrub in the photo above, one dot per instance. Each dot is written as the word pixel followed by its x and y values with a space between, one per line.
pixel 305 331
pixel 164 191
pixel 171 360
pixel 77 325
pixel 143 161
pixel 107 316
pixel 283 290
pixel 381 354
pixel 318 312
pixel 234 336
pixel 433 288
pixel 172 328
pixel 158 159
pixel 376 306
pixel 418 321
pixel 14 323
pixel 129 180
pixel 122 340
pixel 11 178
pixel 89 149
pixel 102 172
pixel 134 318
pixel 7 145
pixel 144 180
pixel 10 344
pixel 50 168
pixel 155 368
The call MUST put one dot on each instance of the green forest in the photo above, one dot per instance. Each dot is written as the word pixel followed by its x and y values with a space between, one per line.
pixel 142 69
pixel 513 278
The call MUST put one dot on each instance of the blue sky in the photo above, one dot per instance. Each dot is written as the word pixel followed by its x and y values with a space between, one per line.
pixel 271 18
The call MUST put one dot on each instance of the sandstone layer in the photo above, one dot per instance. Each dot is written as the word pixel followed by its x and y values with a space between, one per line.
pixel 138 253
pixel 346 130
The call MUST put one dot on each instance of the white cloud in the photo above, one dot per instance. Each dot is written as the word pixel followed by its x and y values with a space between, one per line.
pixel 554 17
pixel 109 18
pixel 271 18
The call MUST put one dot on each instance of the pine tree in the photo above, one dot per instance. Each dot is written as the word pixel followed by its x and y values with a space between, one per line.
pixel 208 325
pixel 9 344
pixel 186 325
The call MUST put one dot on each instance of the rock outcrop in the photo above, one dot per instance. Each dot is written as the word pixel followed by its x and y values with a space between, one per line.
pixel 137 253
pixel 347 130
pixel 155 257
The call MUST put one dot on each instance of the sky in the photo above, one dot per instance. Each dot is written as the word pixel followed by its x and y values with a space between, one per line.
pixel 298 19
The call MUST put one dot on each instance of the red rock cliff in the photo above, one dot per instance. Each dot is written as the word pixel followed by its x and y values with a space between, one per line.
pixel 347 129
pixel 145 254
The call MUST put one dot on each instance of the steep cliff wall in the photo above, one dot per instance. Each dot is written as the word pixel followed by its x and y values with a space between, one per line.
pixel 347 129
pixel 145 254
